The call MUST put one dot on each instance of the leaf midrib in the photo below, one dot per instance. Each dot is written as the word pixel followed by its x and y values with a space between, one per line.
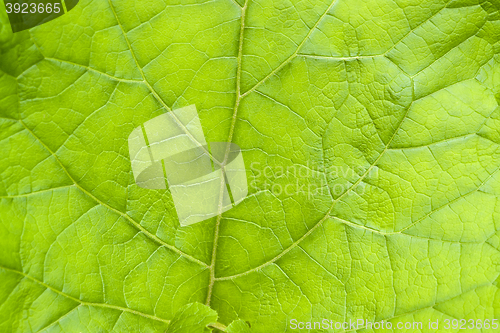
pixel 239 98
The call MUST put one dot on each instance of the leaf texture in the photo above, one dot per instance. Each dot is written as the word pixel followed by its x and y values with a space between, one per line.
pixel 371 136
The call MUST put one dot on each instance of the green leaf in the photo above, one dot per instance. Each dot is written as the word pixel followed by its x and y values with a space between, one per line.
pixel 370 131
pixel 238 326
pixel 196 318
pixel 192 318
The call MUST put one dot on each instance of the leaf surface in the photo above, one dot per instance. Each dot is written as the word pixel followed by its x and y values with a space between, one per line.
pixel 370 132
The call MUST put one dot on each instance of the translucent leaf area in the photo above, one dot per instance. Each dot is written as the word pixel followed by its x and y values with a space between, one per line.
pixel 370 133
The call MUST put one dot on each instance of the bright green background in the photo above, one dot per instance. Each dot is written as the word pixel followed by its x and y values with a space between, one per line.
pixel 403 92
